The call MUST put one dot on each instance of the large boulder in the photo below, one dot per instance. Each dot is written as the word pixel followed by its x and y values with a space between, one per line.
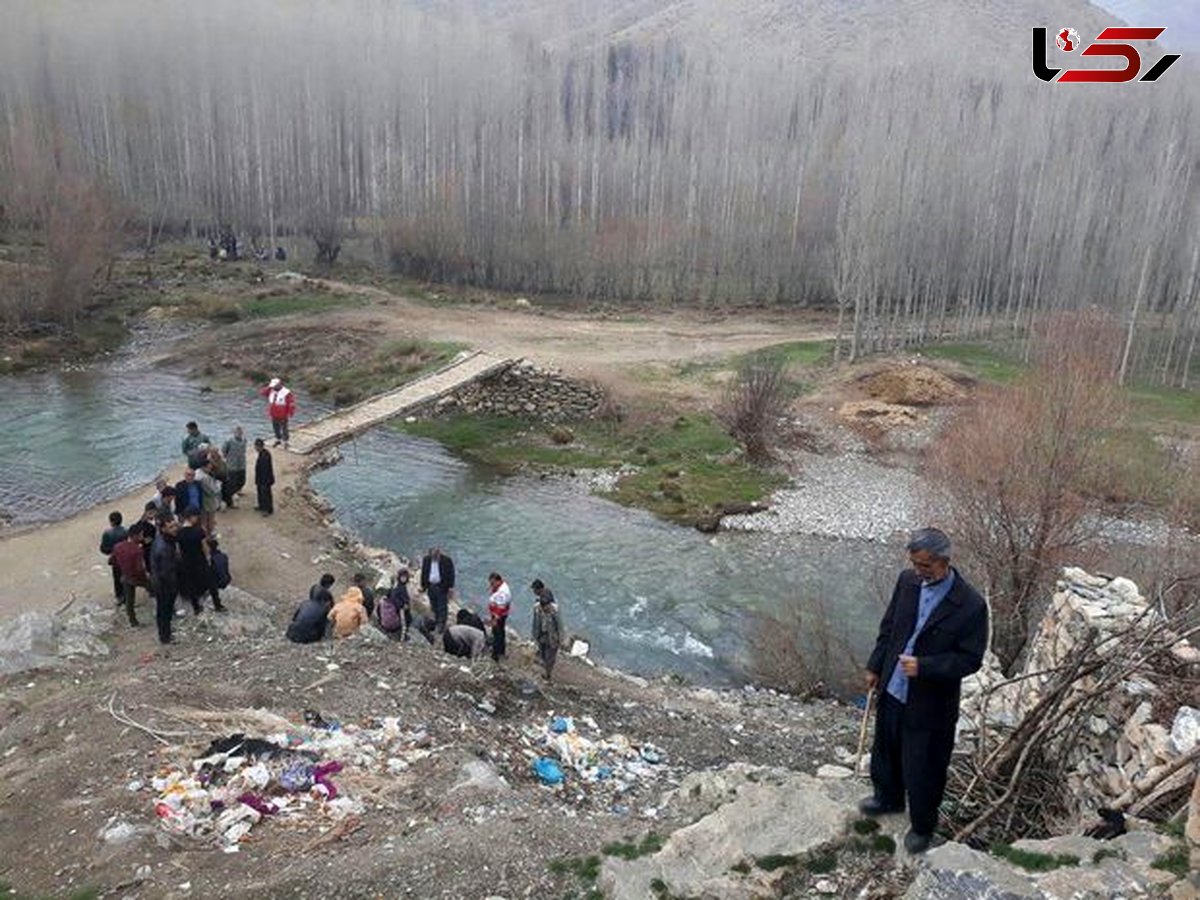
pixel 36 640
pixel 779 814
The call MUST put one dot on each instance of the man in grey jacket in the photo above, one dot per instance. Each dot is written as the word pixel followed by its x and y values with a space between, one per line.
pixel 235 461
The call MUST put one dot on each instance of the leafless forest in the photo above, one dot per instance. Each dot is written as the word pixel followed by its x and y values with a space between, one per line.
pixel 922 192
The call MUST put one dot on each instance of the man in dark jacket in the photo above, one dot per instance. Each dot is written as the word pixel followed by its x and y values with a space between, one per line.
pixel 164 576
pixel 368 593
pixel 113 535
pixel 437 580
pixel 189 493
pixel 264 477
pixel 933 635
pixel 308 623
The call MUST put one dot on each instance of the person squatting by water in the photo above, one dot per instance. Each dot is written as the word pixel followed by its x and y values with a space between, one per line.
pixel 933 634
pixel 309 622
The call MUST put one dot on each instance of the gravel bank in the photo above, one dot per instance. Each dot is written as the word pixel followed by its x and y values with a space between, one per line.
pixel 843 497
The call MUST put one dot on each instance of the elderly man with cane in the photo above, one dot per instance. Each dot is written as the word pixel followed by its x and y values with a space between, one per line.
pixel 933 635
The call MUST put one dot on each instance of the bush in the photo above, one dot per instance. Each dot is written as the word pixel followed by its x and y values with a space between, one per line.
pixel 1014 473
pixel 754 403
pixel 795 649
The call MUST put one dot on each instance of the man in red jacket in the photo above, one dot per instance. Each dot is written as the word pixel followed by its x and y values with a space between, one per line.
pixel 281 406
pixel 129 562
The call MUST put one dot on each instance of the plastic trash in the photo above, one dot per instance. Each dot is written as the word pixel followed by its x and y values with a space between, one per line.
pixel 562 724
pixel 547 771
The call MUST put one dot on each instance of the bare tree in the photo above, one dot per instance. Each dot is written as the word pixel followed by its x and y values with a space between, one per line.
pixel 1013 471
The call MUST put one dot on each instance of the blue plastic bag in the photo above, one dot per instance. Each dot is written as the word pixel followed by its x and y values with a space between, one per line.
pixel 547 770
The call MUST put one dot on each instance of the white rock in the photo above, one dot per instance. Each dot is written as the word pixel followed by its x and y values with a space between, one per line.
pixel 824 886
pixel 831 771
pixel 1185 730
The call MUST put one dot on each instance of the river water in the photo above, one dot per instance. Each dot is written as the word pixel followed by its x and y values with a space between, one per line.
pixel 650 596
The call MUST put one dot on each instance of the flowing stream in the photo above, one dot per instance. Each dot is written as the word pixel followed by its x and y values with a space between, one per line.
pixel 650 596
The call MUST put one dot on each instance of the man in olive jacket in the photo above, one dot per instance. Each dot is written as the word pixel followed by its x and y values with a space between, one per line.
pixel 933 635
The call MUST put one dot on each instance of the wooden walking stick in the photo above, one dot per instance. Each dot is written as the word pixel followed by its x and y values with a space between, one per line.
pixel 862 729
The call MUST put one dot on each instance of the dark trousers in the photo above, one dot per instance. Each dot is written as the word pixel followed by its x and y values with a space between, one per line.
pixel 165 592
pixel 910 757
pixel 234 482
pixel 439 600
pixel 118 588
pixel 498 637
pixel 266 502
pixel 548 653
pixel 281 429
pixel 127 596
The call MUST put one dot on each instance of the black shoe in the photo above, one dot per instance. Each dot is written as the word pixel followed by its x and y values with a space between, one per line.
pixel 916 843
pixel 873 806
pixel 220 607
pixel 134 623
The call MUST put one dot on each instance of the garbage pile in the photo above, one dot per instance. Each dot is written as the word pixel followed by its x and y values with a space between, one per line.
pixel 599 767
pixel 293 777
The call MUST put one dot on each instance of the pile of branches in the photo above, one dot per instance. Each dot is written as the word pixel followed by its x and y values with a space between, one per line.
pixel 1013 783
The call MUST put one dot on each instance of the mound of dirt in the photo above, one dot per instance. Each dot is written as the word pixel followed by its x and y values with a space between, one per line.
pixel 912 386
pixel 878 413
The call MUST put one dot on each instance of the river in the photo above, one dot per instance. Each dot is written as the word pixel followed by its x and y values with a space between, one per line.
pixel 650 596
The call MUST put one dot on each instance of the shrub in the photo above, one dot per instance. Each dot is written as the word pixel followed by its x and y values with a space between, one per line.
pixel 753 404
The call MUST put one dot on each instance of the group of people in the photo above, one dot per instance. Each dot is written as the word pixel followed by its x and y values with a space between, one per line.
pixel 469 636
pixel 173 551
pixel 168 556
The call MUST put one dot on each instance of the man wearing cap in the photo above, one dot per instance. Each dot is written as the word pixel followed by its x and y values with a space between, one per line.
pixel 933 635
pixel 281 406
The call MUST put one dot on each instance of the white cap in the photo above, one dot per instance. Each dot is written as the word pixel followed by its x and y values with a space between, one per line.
pixel 274 383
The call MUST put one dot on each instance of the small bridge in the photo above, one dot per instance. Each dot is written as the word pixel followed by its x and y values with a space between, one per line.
pixel 346 423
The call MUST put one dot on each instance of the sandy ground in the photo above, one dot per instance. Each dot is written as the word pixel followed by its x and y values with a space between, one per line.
pixel 44 567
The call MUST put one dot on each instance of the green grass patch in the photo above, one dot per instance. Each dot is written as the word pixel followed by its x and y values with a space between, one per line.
pixel 1174 861
pixel 1031 861
pixel 865 826
pixel 683 469
pixel 585 868
pixel 774 861
pixel 650 844
pixel 1153 404
pixel 821 863
pixel 984 361
pixel 392 365
pixel 1105 853
pixel 285 303
pixel 792 353
pixel 1174 828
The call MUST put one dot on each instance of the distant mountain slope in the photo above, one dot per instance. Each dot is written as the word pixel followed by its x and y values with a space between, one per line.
pixel 818 30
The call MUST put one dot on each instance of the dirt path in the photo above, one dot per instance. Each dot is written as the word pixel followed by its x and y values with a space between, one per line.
pixel 578 342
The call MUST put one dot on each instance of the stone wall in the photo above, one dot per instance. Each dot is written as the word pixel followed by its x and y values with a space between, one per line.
pixel 1130 741
pixel 526 391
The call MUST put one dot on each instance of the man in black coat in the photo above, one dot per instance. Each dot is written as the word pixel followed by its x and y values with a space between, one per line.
pixel 437 580
pixel 264 477
pixel 933 635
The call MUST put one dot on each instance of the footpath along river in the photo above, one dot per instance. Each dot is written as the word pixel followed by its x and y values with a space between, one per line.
pixel 651 596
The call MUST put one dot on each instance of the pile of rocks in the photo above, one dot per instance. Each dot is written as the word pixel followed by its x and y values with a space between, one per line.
pixel 1130 743
pixel 527 391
